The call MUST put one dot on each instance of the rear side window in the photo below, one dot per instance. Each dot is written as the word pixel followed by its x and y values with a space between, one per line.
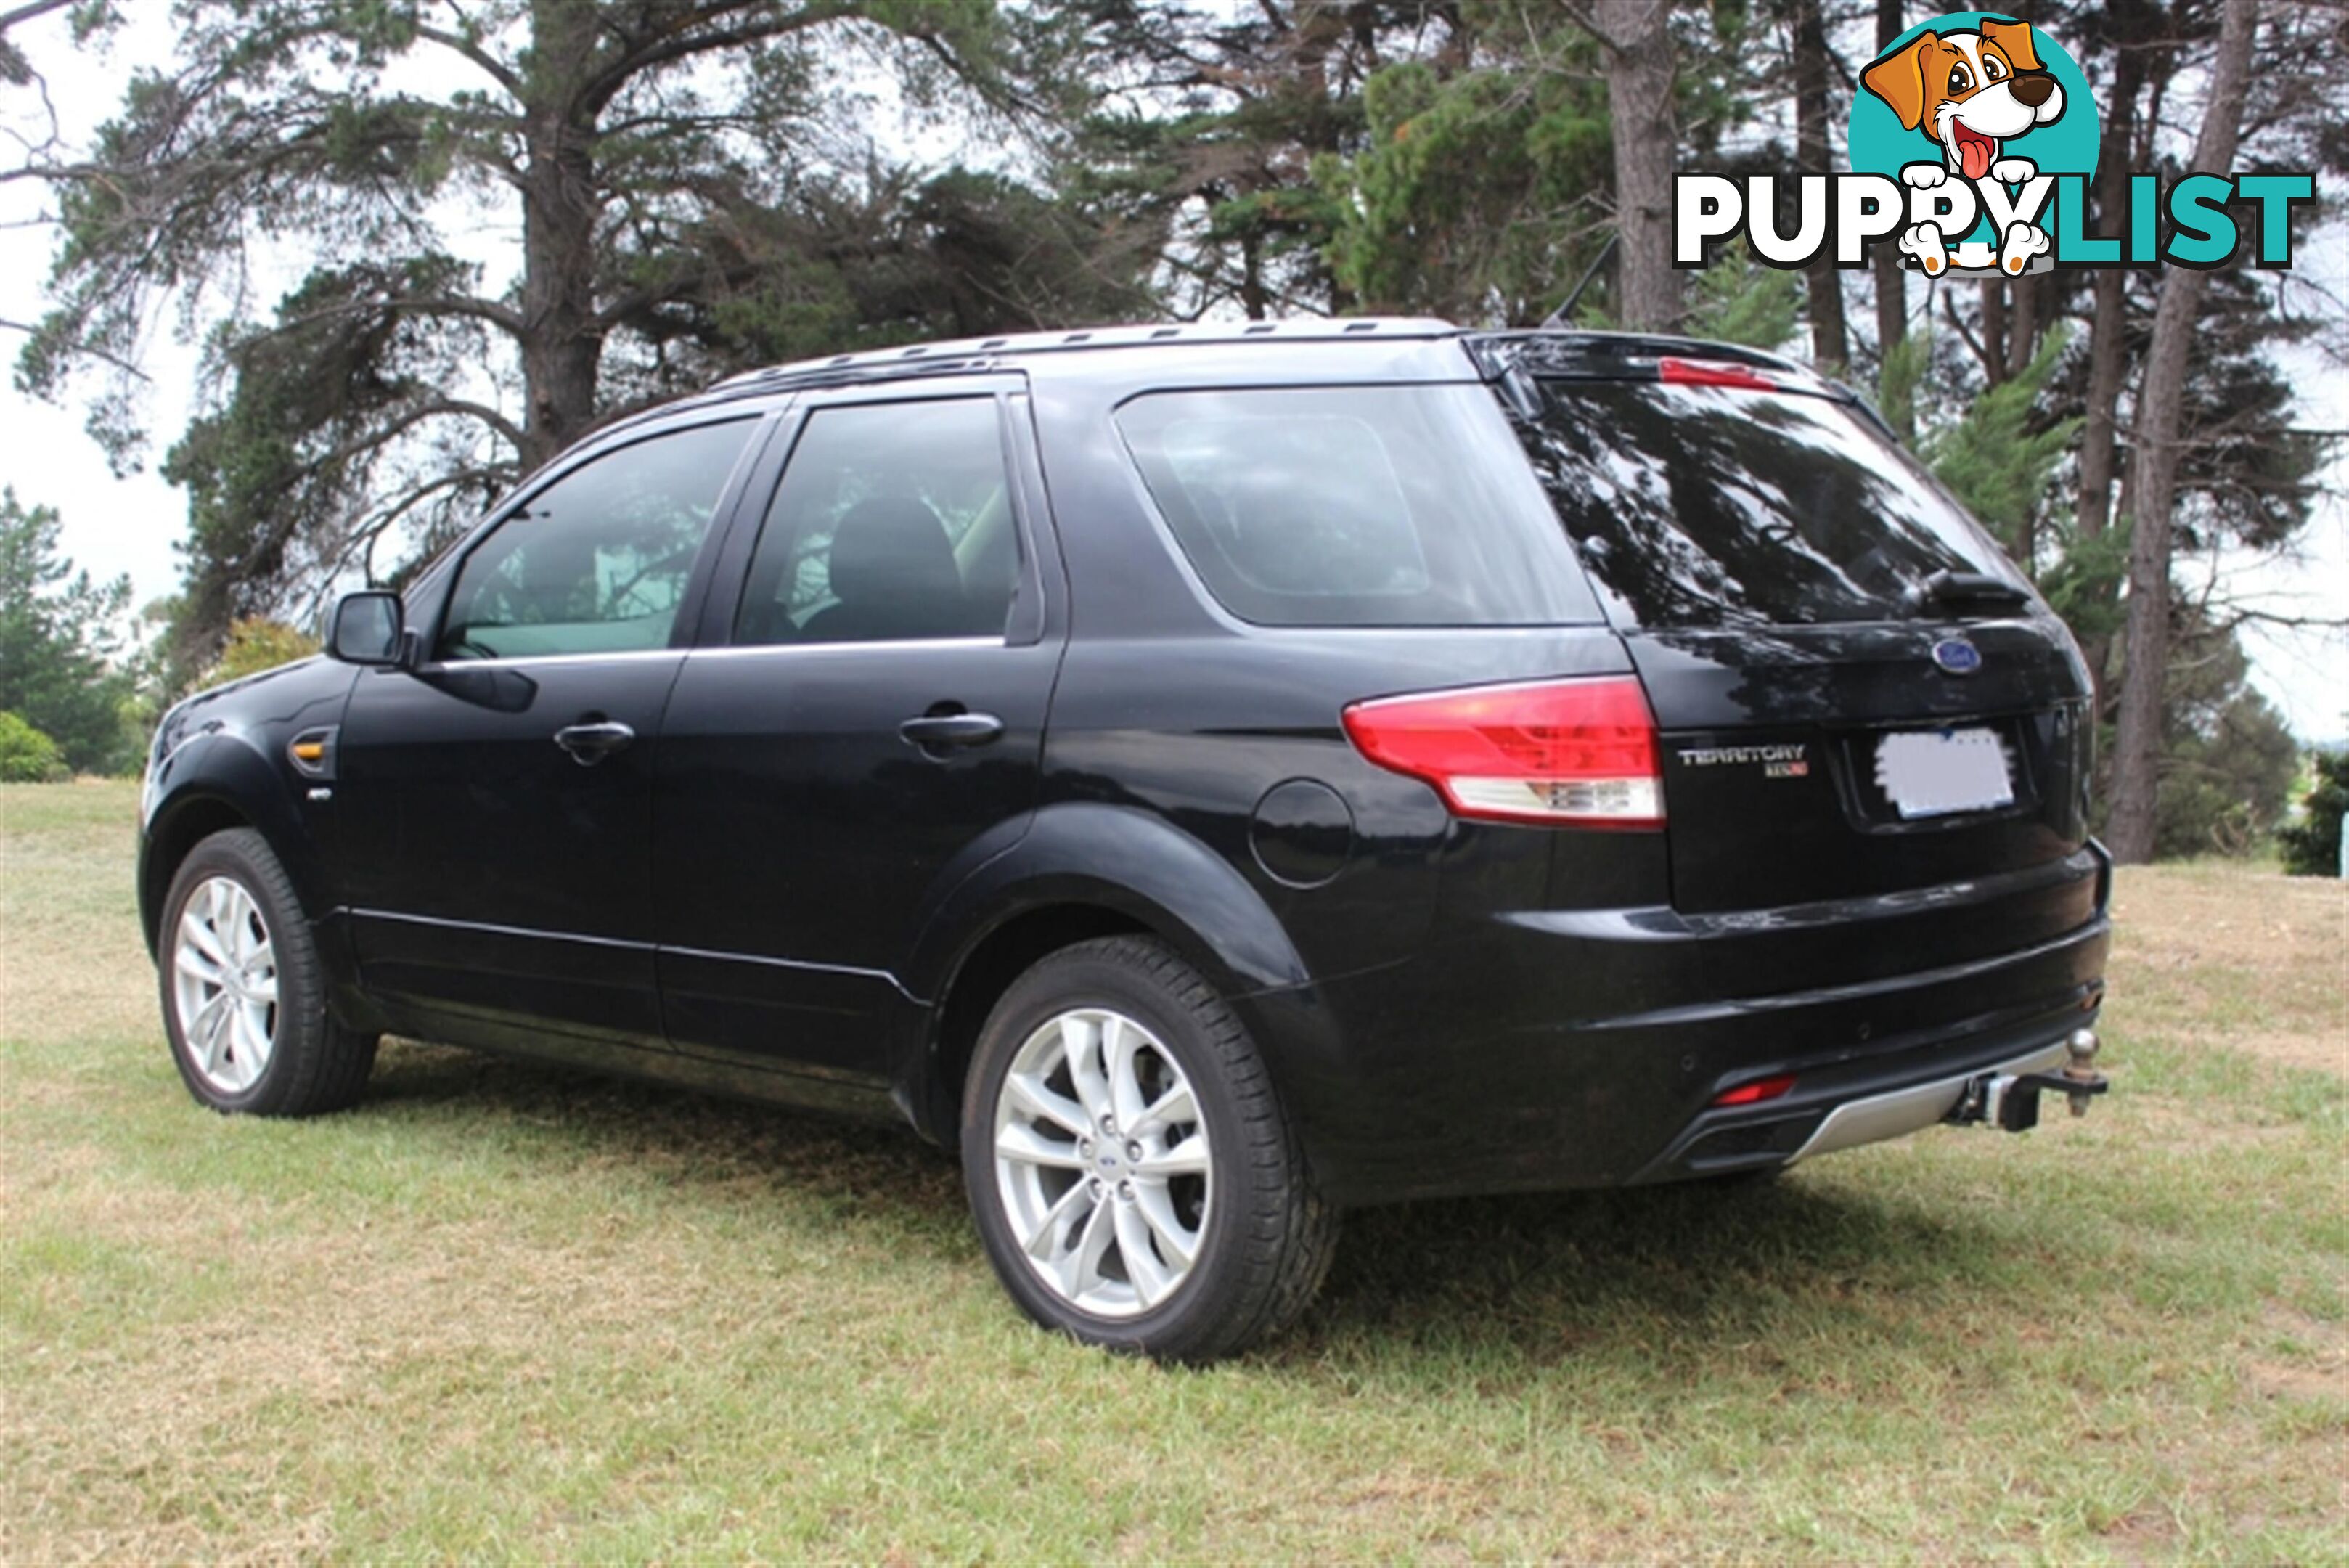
pixel 893 522
pixel 1699 505
pixel 1398 505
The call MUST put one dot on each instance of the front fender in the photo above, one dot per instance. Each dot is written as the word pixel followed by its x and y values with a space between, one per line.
pixel 198 788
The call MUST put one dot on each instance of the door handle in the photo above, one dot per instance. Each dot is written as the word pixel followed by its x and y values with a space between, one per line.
pixel 592 742
pixel 938 733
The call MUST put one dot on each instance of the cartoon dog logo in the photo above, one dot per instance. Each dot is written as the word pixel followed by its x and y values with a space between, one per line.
pixel 1972 93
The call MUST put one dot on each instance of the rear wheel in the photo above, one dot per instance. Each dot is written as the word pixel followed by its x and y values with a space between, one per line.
pixel 1130 1170
pixel 243 995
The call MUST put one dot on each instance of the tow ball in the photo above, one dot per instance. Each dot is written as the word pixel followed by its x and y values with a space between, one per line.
pixel 2010 1100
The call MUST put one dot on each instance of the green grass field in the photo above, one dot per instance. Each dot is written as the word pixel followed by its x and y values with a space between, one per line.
pixel 504 1310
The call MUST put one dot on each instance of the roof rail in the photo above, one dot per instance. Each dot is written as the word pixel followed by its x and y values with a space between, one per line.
pixel 979 353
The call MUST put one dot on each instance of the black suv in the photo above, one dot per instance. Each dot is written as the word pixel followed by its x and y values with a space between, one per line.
pixel 1215 776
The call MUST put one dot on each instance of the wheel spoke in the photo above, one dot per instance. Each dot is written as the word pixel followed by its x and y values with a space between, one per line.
pixel 1051 1237
pixel 1080 1268
pixel 196 964
pixel 1121 1046
pixel 1151 1278
pixel 1188 1158
pixel 1029 1146
pixel 1173 1108
pixel 1035 1099
pixel 208 1031
pixel 1081 1045
pixel 197 932
pixel 1176 1244
pixel 253 1039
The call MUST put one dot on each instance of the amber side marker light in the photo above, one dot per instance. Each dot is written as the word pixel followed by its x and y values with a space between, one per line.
pixel 1755 1093
pixel 310 751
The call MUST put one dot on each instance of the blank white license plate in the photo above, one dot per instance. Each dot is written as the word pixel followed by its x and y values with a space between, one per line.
pixel 1935 773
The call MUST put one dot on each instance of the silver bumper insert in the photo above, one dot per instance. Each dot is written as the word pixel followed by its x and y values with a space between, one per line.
pixel 1904 1111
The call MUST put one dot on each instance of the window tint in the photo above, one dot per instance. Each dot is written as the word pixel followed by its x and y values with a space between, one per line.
pixel 1696 505
pixel 892 521
pixel 597 561
pixel 1403 506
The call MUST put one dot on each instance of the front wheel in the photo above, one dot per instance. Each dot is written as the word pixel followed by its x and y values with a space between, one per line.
pixel 244 999
pixel 1131 1172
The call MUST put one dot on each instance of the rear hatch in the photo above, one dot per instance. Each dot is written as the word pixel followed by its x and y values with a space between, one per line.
pixel 1857 695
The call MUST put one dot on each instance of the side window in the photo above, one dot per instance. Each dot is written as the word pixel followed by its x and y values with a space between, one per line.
pixel 892 521
pixel 597 561
pixel 1394 505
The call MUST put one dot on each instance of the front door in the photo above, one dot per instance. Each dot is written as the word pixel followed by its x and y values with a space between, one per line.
pixel 872 727
pixel 497 799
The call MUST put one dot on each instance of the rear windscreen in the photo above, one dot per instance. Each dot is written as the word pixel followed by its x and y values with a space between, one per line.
pixel 1695 505
pixel 1395 506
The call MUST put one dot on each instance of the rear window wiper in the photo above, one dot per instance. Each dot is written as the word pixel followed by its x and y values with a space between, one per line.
pixel 1947 589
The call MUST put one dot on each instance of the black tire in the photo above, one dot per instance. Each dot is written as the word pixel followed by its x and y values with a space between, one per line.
pixel 314 1065
pixel 1268 1237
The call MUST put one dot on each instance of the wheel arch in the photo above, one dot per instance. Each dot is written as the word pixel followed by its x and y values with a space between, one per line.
pixel 1082 870
pixel 220 782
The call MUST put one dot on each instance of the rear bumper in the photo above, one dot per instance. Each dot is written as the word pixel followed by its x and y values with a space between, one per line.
pixel 1848 1111
pixel 1584 1048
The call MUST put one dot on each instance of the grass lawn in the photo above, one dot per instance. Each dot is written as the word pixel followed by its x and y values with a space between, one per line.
pixel 507 1311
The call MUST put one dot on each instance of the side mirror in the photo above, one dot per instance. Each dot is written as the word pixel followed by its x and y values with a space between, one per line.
pixel 366 628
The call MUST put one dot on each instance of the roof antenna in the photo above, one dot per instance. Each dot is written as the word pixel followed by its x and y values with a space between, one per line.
pixel 1563 316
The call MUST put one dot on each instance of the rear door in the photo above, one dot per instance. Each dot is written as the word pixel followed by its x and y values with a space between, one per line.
pixel 1858 694
pixel 868 722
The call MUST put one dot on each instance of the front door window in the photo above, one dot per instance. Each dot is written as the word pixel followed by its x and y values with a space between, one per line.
pixel 597 562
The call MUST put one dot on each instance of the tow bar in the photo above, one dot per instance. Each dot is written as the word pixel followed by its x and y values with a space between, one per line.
pixel 2010 1101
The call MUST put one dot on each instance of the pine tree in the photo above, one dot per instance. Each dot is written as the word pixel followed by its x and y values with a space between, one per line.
pixel 60 640
pixel 679 216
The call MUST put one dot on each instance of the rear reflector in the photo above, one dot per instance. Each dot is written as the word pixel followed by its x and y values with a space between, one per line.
pixel 1556 751
pixel 1712 373
pixel 1755 1093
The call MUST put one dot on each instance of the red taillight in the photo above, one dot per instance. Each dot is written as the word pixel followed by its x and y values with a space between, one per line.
pixel 1579 751
pixel 1755 1093
pixel 1708 373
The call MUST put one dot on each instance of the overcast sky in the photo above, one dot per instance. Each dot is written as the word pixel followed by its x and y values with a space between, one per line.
pixel 130 524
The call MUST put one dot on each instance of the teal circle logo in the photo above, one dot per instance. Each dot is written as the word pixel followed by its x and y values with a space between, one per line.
pixel 1975 95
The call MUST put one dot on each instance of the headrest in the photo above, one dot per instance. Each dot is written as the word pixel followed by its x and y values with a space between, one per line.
pixel 889 548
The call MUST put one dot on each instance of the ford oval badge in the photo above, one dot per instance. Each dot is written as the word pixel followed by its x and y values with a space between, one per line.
pixel 1957 656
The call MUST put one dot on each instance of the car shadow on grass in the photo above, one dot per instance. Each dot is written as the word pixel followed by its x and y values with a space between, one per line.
pixel 1668 1271
pixel 1533 1276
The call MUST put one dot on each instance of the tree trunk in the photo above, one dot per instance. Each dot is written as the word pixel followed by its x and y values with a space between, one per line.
pixel 1994 332
pixel 1638 40
pixel 2024 327
pixel 1884 261
pixel 2108 330
pixel 563 340
pixel 2153 480
pixel 1823 281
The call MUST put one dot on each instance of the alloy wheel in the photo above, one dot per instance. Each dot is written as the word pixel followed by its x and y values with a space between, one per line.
pixel 224 983
pixel 1103 1163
